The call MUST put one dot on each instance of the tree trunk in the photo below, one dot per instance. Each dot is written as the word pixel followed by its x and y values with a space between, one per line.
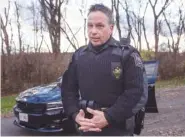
pixel 156 38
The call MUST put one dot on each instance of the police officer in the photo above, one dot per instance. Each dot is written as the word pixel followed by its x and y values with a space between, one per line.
pixel 97 73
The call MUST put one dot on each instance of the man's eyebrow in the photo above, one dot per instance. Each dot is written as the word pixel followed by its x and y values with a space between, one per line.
pixel 99 23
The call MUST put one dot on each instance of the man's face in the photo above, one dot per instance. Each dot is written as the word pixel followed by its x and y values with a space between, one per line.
pixel 99 28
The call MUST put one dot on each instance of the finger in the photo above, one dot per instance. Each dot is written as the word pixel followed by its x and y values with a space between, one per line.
pixel 82 113
pixel 91 111
pixel 87 124
pixel 86 128
pixel 95 129
pixel 82 119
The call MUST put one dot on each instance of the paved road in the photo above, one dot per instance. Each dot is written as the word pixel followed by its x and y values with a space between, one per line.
pixel 9 129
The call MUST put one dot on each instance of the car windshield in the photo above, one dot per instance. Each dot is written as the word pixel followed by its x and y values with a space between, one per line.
pixel 150 68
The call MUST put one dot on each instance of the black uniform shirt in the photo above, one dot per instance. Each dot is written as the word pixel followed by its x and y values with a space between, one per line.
pixel 100 76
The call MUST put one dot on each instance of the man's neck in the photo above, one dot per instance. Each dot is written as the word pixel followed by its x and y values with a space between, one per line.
pixel 101 44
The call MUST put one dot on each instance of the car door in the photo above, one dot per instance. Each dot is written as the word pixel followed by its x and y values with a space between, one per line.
pixel 151 68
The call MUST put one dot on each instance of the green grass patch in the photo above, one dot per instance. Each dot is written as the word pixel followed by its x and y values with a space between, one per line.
pixel 172 83
pixel 7 104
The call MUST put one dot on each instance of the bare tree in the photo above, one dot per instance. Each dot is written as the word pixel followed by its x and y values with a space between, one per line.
pixel 128 18
pixel 184 26
pixel 83 13
pixel 41 32
pixel 112 5
pixel 136 23
pixel 144 28
pixel 170 30
pixel 178 30
pixel 70 40
pixel 156 23
pixel 4 30
pixel 11 36
pixel 2 42
pixel 37 23
pixel 115 5
pixel 51 11
pixel 32 9
pixel 35 26
pixel 137 27
pixel 47 45
pixel 18 25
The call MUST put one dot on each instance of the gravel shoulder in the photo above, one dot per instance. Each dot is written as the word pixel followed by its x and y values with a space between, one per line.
pixel 170 120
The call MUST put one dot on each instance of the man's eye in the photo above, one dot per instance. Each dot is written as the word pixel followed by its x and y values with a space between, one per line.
pixel 99 26
pixel 90 26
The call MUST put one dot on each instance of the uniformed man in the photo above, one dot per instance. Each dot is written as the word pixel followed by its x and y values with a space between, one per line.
pixel 107 73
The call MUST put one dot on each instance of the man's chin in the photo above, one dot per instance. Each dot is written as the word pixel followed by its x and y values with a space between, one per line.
pixel 96 43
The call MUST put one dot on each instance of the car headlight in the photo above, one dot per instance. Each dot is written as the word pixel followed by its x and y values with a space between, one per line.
pixel 54 105
pixel 25 93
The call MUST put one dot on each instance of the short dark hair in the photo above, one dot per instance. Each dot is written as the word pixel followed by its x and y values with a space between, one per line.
pixel 107 11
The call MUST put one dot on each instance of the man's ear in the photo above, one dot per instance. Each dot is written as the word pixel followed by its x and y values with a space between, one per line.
pixel 111 27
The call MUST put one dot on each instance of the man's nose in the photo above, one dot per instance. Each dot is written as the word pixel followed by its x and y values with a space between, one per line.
pixel 94 30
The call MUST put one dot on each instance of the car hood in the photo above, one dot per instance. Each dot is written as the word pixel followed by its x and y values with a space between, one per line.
pixel 41 94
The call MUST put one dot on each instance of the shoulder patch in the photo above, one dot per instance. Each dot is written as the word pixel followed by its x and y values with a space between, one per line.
pixel 137 60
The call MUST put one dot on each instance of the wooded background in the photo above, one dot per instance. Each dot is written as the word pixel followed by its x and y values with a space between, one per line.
pixel 24 64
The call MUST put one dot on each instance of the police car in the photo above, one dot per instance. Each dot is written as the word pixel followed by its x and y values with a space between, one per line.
pixel 40 108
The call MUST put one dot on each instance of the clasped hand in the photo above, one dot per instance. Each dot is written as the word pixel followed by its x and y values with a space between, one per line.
pixel 96 123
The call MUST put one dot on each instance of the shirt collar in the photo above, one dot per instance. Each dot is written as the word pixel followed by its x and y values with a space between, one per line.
pixel 109 43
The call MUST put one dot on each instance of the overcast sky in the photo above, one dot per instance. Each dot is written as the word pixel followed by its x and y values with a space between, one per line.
pixel 75 20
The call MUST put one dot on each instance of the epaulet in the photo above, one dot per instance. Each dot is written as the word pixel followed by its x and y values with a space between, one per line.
pixel 124 51
pixel 132 49
pixel 127 51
